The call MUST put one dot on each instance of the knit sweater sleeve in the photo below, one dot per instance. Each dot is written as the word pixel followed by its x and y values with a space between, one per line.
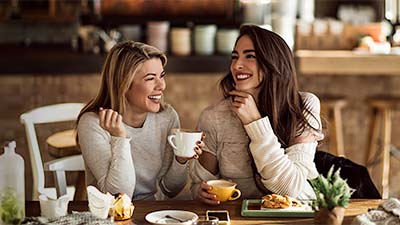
pixel 173 173
pixel 283 171
pixel 107 157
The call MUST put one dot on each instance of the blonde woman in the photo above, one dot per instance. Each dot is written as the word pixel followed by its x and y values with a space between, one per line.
pixel 123 131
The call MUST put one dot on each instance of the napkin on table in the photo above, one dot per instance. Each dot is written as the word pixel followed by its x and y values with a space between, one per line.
pixel 387 213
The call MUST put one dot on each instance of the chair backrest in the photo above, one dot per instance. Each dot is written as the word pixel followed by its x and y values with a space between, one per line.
pixel 46 114
pixel 357 175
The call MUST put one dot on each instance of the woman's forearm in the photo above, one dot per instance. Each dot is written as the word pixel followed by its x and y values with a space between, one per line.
pixel 281 173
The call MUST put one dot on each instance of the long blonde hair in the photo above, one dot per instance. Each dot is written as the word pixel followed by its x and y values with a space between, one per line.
pixel 122 63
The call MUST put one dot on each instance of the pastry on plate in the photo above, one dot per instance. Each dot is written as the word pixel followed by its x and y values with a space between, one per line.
pixel 275 201
pixel 123 207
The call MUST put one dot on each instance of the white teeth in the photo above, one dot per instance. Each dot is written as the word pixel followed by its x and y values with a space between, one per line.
pixel 242 76
pixel 157 97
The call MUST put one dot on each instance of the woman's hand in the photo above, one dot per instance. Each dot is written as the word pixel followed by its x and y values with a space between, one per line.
pixel 206 197
pixel 198 150
pixel 245 107
pixel 111 121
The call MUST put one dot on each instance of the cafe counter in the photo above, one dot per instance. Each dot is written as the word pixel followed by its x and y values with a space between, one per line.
pixel 345 63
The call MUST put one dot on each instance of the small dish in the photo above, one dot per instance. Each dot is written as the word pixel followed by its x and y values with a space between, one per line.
pixel 166 217
pixel 99 203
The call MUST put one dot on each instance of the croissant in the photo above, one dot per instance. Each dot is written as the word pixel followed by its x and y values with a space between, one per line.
pixel 275 201
pixel 123 207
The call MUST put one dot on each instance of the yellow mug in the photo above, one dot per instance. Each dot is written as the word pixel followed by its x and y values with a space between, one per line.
pixel 224 190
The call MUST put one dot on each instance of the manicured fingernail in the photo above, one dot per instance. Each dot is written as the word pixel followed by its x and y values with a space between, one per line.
pixel 198 142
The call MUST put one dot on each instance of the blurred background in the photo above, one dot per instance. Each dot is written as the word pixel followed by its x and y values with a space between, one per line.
pixel 52 52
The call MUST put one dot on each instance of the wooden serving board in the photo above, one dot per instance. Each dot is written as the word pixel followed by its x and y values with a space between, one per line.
pixel 252 208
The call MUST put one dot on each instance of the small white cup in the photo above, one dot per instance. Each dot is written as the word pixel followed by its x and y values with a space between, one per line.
pixel 51 208
pixel 101 212
pixel 99 203
pixel 184 142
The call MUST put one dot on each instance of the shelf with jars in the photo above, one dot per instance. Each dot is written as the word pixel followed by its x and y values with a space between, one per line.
pixel 83 48
pixel 60 59
pixel 82 43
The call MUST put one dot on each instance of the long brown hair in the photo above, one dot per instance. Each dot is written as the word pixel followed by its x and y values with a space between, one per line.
pixel 122 63
pixel 279 97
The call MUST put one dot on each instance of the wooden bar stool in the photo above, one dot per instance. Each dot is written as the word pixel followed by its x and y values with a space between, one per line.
pixel 379 137
pixel 331 109
pixel 62 144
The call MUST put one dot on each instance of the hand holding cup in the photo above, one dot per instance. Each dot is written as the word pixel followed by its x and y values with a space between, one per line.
pixel 224 190
pixel 187 144
pixel 214 192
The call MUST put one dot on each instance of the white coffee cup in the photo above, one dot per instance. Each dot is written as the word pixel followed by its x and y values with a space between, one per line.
pixel 184 142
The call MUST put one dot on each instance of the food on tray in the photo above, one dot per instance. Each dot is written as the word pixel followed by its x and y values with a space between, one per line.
pixel 275 201
pixel 123 207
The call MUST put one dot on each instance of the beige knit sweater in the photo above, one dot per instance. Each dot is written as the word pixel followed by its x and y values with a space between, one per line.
pixel 283 171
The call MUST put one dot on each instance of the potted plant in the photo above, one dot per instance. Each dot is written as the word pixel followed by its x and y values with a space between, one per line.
pixel 332 197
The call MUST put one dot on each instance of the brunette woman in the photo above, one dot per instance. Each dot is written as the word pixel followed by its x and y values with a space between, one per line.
pixel 264 134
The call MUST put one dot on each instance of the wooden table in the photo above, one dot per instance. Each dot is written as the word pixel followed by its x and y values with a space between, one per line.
pixel 355 208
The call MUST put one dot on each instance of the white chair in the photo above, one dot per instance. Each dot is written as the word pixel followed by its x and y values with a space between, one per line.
pixel 50 114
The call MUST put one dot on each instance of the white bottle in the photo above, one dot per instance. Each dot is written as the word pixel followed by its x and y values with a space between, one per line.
pixel 12 186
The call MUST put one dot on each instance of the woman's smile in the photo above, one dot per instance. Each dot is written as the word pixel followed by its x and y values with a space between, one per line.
pixel 155 98
pixel 242 76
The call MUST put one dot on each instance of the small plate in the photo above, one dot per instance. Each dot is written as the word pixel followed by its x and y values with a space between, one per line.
pixel 161 218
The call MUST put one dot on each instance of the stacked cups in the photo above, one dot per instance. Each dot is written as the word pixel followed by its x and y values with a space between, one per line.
pixel 284 19
pixel 157 34
pixel 226 40
pixel 204 36
pixel 180 41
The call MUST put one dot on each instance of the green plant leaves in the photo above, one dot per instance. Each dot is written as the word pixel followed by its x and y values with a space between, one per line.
pixel 12 209
pixel 331 191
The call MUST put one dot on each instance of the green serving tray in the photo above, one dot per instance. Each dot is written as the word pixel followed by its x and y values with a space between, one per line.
pixel 252 208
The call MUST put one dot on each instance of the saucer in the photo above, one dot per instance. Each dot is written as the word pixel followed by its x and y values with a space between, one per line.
pixel 161 217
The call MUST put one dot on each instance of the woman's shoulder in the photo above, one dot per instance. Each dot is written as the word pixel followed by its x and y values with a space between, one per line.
pixel 217 113
pixel 89 118
pixel 88 122
pixel 219 107
pixel 168 111
pixel 310 99
pixel 166 118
